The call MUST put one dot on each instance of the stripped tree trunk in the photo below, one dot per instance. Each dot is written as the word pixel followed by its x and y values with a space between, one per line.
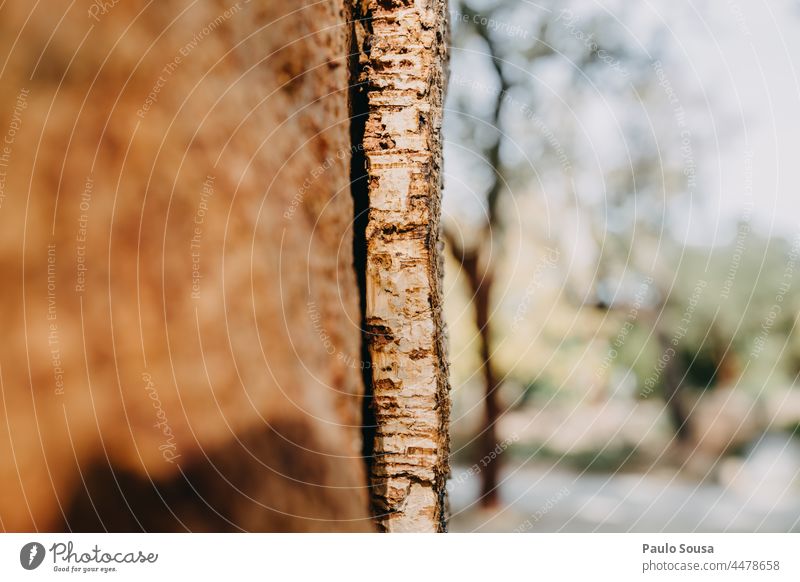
pixel 402 64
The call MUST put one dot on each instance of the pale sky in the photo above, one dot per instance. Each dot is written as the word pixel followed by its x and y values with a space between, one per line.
pixel 734 65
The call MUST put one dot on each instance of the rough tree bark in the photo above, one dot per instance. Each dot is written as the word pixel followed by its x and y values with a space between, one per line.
pixel 402 63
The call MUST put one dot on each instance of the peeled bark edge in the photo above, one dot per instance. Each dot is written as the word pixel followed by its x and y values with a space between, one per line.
pixel 402 65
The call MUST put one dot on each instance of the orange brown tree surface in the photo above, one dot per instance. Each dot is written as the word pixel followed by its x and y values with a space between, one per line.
pixel 181 323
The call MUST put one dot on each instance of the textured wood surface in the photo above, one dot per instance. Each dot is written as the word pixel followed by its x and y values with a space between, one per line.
pixel 152 398
pixel 403 64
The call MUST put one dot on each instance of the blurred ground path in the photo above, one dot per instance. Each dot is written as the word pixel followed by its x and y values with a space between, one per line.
pixel 760 494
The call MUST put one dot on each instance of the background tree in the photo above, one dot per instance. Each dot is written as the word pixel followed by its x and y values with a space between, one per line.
pixel 532 87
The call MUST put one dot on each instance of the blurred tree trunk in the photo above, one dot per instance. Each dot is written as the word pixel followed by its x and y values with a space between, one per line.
pixel 480 281
pixel 480 278
pixel 674 397
pixel 402 48
pixel 479 272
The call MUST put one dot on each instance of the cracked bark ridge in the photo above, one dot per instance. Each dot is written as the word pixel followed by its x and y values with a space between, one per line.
pixel 403 58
